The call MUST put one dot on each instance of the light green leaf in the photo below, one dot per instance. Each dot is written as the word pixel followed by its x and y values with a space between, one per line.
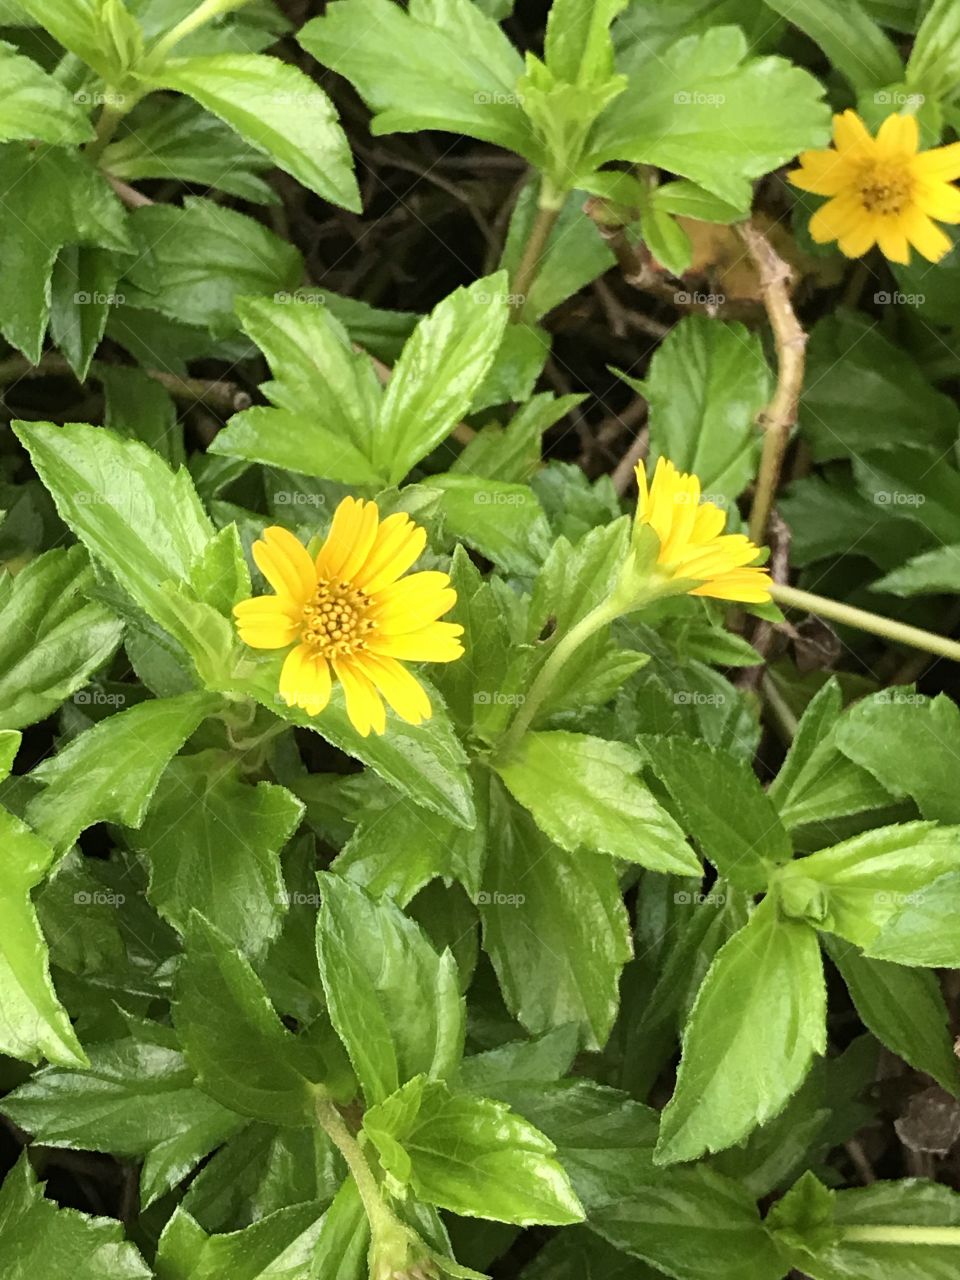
pixel 934 63
pixel 52 637
pixel 34 105
pixel 276 108
pixel 758 1019
pixel 925 929
pixel 232 1036
pixel 440 368
pixel 33 1023
pixel 470 1155
pixel 742 836
pixel 712 115
pixel 279 1246
pixel 852 41
pixel 213 844
pixel 707 384
pixel 555 928
pixel 76 25
pixel 442 64
pixel 504 522
pixel 9 746
pixel 394 1002
pixel 110 772
pixel 932 572
pixel 584 794
pixel 38 1238
pixel 83 289
pixel 904 1008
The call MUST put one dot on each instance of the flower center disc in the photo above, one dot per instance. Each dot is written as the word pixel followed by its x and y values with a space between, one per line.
pixel 335 619
pixel 884 189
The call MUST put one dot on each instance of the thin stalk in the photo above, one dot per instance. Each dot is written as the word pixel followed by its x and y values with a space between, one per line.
pixel 204 13
pixel 107 124
pixel 847 615
pixel 901 1235
pixel 566 646
pixel 332 1122
pixel 547 213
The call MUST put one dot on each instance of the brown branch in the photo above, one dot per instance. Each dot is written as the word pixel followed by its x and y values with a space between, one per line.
pixel 781 413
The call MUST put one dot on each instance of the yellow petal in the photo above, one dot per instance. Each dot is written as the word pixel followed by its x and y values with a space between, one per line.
pixel 861 239
pixel 439 642
pixel 284 562
pixel 898 135
pixel 364 706
pixel 838 217
pixel 938 200
pixel 411 603
pixel 709 522
pixel 849 132
pixel 823 172
pixel 290 679
pixel 939 162
pixel 364 538
pixel 392 536
pixel 340 539
pixel 893 243
pixel 925 236
pixel 750 586
pixel 402 691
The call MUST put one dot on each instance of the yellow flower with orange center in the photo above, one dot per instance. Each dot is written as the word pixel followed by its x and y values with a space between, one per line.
pixel 693 548
pixel 351 615
pixel 883 190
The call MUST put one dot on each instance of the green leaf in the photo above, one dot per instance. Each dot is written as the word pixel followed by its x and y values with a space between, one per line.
pixel 707 384
pixel 555 928
pixel 9 746
pixel 136 1099
pixel 543 1059
pixel 863 393
pixel 442 364
pixel 584 794
pixel 929 573
pixel 233 1039
pixel 712 115
pixel 117 495
pixel 438 65
pixel 33 1023
pixel 138 407
pixel 470 1155
pixel 83 289
pixel 194 262
pixel 51 198
pixel 742 836
pixel 279 1245
pixel 577 47
pixel 934 63
pixel 213 843
pixel 817 781
pixel 110 772
pixel 504 522
pixel 312 363
pixel 902 739
pixel 77 25
pixel 35 105
pixel 925 929
pixel 276 108
pixel 758 1019
pixel 855 887
pixel 904 1008
pixel 853 42
pixel 52 637
pixel 394 1002
pixel 38 1238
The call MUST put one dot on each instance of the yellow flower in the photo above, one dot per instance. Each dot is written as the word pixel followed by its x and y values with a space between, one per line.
pixel 693 547
pixel 884 190
pixel 352 615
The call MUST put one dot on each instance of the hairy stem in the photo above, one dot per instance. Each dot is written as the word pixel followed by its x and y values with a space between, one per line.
pixel 204 13
pixel 897 632
pixel 379 1214
pixel 547 213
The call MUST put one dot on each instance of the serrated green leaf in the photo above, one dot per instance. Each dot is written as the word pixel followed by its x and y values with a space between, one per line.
pixel 35 105
pixel 853 42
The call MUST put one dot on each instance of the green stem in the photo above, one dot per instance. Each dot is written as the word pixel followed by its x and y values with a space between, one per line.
pixel 548 210
pixel 847 615
pixel 107 124
pixel 901 1235
pixel 564 649
pixel 204 13
pixel 378 1212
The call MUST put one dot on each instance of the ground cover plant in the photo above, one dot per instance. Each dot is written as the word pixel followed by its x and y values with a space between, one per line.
pixel 480 544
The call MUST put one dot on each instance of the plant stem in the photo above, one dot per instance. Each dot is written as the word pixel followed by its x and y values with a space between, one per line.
pixel 108 122
pixel 897 632
pixel 332 1122
pixel 547 213
pixel 781 413
pixel 901 1235
pixel 564 649
pixel 204 13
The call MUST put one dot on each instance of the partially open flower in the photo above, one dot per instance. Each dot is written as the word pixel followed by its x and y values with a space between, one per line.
pixel 351 615
pixel 692 554
pixel 883 190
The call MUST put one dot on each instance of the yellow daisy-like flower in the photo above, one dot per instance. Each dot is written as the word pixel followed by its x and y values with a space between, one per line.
pixel 884 190
pixel 693 547
pixel 352 615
